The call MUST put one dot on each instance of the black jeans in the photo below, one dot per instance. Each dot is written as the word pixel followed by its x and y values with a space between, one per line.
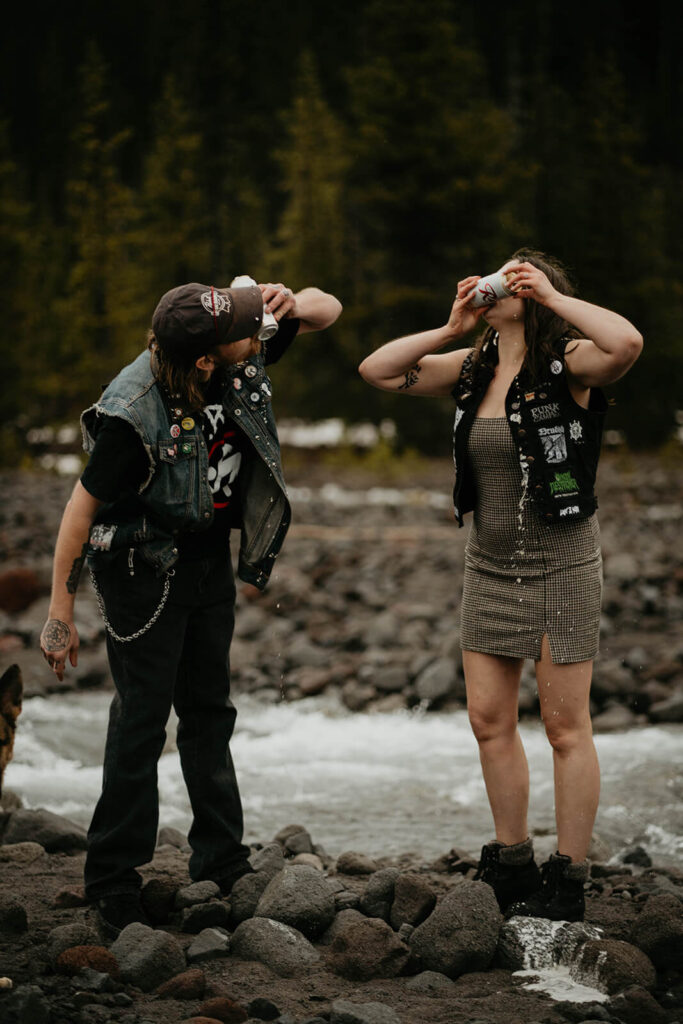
pixel 182 660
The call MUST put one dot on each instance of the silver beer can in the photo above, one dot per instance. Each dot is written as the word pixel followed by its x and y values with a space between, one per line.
pixel 491 288
pixel 269 325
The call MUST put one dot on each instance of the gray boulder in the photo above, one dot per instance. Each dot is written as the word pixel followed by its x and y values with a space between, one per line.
pixel 390 678
pixel 367 949
pixel 345 1012
pixel 198 892
pixel 437 680
pixel 342 921
pixel 461 934
pixel 214 914
pixel 414 901
pixel 431 983
pixel 352 863
pixel 658 931
pixel 13 916
pixel 301 897
pixel 66 936
pixel 210 944
pixel 636 1006
pixel 22 853
pixel 269 860
pixel 378 897
pixel 54 833
pixel 245 895
pixel 668 710
pixel 614 965
pixel 26 1005
pixel 147 957
pixel 280 947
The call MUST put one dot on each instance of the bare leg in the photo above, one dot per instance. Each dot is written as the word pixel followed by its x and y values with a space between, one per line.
pixel 564 695
pixel 492 697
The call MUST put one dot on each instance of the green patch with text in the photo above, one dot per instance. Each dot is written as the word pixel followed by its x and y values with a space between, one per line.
pixel 563 483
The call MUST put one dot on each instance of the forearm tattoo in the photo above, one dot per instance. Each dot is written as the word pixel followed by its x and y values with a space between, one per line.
pixel 412 377
pixel 56 635
pixel 76 569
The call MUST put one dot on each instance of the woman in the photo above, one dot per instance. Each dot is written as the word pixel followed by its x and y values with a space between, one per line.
pixel 528 424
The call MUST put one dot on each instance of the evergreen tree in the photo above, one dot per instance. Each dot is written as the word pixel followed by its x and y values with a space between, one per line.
pixel 175 224
pixel 102 312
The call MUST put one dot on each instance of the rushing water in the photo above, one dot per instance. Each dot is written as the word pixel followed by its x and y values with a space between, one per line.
pixel 387 783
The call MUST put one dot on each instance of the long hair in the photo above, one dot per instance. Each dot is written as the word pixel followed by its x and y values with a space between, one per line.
pixel 180 378
pixel 542 327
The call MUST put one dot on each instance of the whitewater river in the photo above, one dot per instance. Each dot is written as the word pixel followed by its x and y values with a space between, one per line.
pixel 387 783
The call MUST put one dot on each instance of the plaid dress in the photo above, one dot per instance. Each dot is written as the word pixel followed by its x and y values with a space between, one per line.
pixel 524 577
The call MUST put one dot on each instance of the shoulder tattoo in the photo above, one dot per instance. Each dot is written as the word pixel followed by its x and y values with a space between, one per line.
pixel 411 377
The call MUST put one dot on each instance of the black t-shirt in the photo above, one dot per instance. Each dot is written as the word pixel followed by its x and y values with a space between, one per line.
pixel 118 464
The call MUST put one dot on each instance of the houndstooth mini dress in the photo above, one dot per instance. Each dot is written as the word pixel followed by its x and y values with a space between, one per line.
pixel 524 577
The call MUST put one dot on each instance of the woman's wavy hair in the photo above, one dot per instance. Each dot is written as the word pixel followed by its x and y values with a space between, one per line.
pixel 542 327
pixel 180 377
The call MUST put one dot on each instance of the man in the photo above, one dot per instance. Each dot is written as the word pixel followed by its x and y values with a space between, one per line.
pixel 183 447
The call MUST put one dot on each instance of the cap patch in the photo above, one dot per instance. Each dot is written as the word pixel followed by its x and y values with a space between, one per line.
pixel 220 304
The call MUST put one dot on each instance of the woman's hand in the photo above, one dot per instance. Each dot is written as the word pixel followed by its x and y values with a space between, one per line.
pixel 528 282
pixel 462 317
pixel 58 641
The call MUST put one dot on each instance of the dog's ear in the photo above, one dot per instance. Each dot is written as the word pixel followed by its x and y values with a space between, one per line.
pixel 11 689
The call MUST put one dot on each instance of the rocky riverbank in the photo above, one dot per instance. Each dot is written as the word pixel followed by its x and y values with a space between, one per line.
pixel 365 594
pixel 313 939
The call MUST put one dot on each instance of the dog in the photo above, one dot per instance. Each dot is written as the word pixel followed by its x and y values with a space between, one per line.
pixel 11 690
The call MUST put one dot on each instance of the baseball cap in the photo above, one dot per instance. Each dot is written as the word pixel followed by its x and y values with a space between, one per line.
pixel 194 317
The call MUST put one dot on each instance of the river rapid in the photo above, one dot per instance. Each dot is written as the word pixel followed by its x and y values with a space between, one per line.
pixel 383 783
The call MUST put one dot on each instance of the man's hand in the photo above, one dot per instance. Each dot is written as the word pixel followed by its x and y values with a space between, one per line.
pixel 58 641
pixel 279 300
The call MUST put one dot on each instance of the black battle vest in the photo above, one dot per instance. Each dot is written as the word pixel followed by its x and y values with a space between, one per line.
pixel 558 441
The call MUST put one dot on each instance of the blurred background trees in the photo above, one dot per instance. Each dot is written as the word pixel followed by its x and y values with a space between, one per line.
pixel 379 149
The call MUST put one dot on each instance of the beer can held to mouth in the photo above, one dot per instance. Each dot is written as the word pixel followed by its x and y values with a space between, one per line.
pixel 269 325
pixel 491 288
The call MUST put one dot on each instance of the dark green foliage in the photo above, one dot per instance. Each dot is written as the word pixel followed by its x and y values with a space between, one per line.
pixel 380 149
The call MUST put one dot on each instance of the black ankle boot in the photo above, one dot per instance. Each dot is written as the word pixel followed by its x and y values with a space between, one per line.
pixel 511 871
pixel 560 897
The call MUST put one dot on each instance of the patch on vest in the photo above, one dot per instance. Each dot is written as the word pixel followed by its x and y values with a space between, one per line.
pixel 569 510
pixel 102 536
pixel 564 484
pixel 556 366
pixel 554 443
pixel 575 430
pixel 545 412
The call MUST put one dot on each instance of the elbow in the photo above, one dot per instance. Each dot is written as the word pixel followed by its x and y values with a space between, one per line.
pixel 336 309
pixel 635 345
pixel 367 372
pixel 631 348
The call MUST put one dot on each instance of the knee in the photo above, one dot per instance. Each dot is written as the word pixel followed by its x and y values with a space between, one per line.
pixel 565 737
pixel 489 724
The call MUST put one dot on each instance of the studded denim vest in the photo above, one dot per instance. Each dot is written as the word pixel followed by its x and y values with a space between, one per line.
pixel 558 441
pixel 176 496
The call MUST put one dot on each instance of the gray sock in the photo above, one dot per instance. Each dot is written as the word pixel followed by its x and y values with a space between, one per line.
pixel 517 854
pixel 577 871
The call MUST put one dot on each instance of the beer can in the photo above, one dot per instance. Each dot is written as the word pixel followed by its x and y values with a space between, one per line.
pixel 491 288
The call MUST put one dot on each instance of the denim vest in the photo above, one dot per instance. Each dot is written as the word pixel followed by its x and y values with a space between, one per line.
pixel 176 496
pixel 558 441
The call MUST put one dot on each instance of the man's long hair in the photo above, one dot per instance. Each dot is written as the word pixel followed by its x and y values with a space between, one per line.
pixel 542 327
pixel 180 378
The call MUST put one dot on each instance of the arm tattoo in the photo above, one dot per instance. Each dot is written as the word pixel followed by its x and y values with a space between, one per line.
pixel 412 377
pixel 76 569
pixel 56 635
